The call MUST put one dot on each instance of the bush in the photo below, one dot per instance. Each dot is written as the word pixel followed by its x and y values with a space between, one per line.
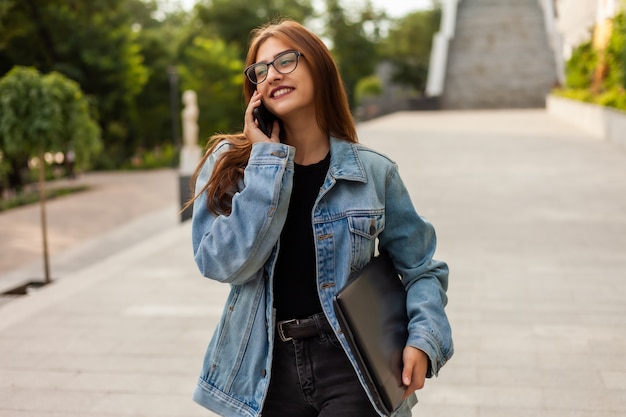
pixel 582 65
pixel 160 157
pixel 31 197
pixel 368 87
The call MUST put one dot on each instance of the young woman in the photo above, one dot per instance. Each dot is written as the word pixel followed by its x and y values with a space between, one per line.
pixel 285 220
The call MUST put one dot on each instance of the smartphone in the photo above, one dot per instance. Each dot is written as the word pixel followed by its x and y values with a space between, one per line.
pixel 265 119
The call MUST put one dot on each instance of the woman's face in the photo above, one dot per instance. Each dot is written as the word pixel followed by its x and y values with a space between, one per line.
pixel 286 95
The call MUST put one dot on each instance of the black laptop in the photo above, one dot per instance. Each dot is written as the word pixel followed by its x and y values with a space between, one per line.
pixel 371 310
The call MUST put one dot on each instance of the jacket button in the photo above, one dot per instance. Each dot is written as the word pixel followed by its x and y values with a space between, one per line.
pixel 263 373
pixel 279 154
pixel 372 228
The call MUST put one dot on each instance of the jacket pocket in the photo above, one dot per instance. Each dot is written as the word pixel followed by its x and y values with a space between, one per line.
pixel 222 336
pixel 364 228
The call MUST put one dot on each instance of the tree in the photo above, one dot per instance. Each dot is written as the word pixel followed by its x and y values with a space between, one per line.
pixel 408 46
pixel 232 20
pixel 160 42
pixel 353 47
pixel 214 70
pixel 76 128
pixel 40 114
pixel 91 42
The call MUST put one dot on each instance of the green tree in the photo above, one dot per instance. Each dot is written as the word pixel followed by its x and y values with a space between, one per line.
pixel 76 128
pixel 408 46
pixel 40 114
pixel 353 47
pixel 214 70
pixel 91 42
pixel 232 20
pixel 160 41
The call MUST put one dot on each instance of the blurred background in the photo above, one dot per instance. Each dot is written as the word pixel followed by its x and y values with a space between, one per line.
pixel 466 95
pixel 130 61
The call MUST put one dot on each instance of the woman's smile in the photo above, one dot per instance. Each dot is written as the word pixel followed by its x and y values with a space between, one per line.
pixel 280 91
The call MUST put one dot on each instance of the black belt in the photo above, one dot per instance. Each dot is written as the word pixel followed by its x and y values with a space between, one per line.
pixel 303 328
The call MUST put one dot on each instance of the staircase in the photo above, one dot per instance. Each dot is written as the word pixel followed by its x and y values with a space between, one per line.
pixel 499 57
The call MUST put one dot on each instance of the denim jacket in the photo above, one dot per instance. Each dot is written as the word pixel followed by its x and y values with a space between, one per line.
pixel 362 200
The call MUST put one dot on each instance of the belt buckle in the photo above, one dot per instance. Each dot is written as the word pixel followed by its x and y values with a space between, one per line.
pixel 281 331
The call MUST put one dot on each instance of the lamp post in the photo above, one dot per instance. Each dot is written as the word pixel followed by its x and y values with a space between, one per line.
pixel 173 78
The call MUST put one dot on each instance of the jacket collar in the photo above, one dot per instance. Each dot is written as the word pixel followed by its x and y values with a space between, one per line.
pixel 345 162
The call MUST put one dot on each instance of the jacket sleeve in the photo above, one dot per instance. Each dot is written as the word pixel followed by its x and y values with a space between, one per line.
pixel 232 248
pixel 411 242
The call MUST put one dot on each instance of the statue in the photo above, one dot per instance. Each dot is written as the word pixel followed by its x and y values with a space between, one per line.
pixel 190 118
pixel 190 152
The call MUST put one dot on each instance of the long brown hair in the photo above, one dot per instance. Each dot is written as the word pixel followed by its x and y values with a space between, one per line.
pixel 331 109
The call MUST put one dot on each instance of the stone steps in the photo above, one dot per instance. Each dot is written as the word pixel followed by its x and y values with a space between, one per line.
pixel 500 57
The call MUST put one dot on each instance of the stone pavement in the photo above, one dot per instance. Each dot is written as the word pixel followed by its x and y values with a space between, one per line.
pixel 113 210
pixel 531 217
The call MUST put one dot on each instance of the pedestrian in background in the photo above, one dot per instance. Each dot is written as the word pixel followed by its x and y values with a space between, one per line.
pixel 285 219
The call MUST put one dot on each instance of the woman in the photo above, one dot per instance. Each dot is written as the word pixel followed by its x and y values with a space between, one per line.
pixel 285 219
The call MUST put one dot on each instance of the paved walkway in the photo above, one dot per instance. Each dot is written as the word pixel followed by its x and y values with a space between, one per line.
pixel 531 217
pixel 118 210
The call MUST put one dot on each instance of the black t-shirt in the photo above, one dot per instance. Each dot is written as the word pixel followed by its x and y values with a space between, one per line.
pixel 295 284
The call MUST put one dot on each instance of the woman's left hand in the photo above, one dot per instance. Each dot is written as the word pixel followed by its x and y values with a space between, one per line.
pixel 415 368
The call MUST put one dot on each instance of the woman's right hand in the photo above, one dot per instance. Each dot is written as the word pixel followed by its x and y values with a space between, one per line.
pixel 251 128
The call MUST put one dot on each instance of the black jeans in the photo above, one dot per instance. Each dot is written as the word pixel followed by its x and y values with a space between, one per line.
pixel 313 377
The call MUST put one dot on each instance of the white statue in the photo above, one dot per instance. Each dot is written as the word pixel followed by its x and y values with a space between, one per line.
pixel 190 118
pixel 190 152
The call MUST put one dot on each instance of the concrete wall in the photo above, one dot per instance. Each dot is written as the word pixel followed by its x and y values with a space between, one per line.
pixel 602 122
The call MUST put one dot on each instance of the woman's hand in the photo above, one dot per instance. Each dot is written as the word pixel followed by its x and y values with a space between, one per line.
pixel 415 368
pixel 251 127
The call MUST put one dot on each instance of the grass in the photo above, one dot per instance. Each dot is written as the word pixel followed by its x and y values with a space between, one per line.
pixel 31 197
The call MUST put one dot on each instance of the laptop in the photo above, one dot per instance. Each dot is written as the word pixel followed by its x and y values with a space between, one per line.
pixel 371 310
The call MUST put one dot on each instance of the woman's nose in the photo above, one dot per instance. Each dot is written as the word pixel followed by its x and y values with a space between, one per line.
pixel 273 74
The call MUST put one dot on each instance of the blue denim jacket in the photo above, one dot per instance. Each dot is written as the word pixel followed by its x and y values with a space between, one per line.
pixel 362 200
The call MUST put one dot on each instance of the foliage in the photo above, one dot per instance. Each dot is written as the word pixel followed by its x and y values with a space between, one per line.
pixel 368 87
pixel 91 42
pixel 580 94
pixel 584 64
pixel 353 48
pixel 616 54
pixel 77 131
pixel 408 47
pixel 214 70
pixel 45 113
pixel 122 53
pixel 32 197
pixel 232 20
pixel 5 168
pixel 30 118
pixel 159 41
pixel 580 67
pixel 158 157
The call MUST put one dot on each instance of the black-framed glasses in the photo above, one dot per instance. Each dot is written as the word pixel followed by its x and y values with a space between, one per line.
pixel 285 63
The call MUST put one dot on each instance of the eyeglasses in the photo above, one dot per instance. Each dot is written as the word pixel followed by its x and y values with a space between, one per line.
pixel 284 63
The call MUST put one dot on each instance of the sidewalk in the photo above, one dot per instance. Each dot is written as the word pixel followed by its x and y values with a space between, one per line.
pixel 116 211
pixel 530 215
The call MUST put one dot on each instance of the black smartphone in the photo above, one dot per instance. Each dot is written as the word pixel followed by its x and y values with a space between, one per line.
pixel 265 119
